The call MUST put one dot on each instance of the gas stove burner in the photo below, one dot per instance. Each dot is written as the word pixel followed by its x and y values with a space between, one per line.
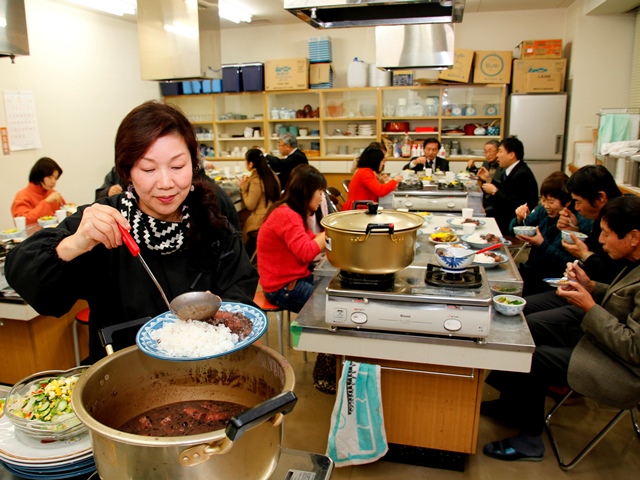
pixel 440 277
pixel 365 281
pixel 456 187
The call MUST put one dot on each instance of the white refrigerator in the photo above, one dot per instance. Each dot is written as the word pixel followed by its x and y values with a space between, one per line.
pixel 539 122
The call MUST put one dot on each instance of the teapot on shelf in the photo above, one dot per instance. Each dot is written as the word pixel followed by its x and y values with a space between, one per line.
pixel 469 128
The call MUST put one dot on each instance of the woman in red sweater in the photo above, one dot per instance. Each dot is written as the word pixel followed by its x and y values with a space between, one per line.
pixel 365 184
pixel 286 246
pixel 39 198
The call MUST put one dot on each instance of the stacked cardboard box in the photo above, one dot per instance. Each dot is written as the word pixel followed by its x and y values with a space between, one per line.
pixel 287 74
pixel 540 68
pixel 320 57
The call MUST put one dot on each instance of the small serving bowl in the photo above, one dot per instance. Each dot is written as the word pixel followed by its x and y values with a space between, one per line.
pixel 454 258
pixel 509 309
pixel 525 230
pixel 61 427
pixel 47 222
pixel 505 288
pixel 566 236
pixel 9 234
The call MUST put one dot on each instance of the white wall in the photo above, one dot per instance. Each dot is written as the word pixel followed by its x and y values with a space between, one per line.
pixel 84 74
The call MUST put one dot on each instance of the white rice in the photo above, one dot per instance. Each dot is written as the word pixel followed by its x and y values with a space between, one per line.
pixel 476 238
pixel 482 258
pixel 193 339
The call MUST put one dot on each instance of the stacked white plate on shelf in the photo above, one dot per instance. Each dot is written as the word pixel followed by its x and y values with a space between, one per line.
pixel 352 129
pixel 366 130
pixel 34 460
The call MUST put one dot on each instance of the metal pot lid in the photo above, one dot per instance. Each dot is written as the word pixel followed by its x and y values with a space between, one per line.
pixel 358 221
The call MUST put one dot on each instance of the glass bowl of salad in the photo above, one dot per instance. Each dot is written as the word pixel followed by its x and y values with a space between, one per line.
pixel 39 406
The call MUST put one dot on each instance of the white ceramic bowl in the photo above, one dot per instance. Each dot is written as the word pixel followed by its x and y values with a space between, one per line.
pixel 10 234
pixel 500 302
pixel 525 230
pixel 454 258
pixel 566 236
pixel 47 222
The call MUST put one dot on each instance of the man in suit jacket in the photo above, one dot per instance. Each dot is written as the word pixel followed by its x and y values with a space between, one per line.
pixel 288 148
pixel 430 158
pixel 511 187
pixel 599 357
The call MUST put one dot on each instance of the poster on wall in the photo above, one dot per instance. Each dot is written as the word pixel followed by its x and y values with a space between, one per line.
pixel 22 124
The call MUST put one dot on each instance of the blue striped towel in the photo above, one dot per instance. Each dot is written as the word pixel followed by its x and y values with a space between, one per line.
pixel 357 434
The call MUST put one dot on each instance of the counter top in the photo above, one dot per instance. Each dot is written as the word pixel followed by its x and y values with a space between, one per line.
pixel 509 345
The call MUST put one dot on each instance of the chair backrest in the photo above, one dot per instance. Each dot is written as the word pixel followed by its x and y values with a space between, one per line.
pixel 337 204
pixel 345 185
pixel 335 192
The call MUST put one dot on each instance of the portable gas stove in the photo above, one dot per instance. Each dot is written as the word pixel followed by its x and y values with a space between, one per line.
pixel 418 299
pixel 434 197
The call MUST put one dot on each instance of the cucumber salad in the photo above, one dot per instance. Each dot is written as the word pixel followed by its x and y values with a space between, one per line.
pixel 48 400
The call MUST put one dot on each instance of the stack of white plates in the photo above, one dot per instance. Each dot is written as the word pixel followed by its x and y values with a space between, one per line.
pixel 34 460
pixel 352 128
pixel 366 130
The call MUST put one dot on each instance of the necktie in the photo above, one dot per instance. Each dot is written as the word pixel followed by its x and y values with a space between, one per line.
pixel 429 164
pixel 503 177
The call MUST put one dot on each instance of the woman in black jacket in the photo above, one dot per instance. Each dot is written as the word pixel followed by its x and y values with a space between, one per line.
pixel 171 213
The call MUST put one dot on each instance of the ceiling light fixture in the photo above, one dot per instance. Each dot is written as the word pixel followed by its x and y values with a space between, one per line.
pixel 115 7
pixel 233 13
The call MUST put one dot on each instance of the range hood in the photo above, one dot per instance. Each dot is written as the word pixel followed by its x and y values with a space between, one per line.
pixel 13 29
pixel 415 46
pixel 179 40
pixel 367 13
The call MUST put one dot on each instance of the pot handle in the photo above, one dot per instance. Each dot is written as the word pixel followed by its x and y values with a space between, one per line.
pixel 280 404
pixel 372 207
pixel 277 406
pixel 106 333
pixel 386 227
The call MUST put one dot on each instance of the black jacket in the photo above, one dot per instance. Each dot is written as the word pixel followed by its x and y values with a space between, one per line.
pixel 284 166
pixel 518 188
pixel 115 284
pixel 441 164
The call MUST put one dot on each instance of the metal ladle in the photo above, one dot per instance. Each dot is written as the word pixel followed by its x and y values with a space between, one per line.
pixel 188 306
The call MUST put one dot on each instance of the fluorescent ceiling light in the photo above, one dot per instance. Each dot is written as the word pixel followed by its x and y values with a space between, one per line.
pixel 233 13
pixel 115 7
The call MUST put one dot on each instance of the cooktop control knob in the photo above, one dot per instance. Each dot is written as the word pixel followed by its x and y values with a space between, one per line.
pixel 359 317
pixel 408 204
pixel 451 205
pixel 452 325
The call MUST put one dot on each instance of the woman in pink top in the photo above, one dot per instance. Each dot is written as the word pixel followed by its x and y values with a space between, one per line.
pixel 39 198
pixel 286 245
pixel 365 184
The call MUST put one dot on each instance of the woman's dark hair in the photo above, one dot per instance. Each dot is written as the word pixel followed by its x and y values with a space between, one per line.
pixel 555 186
pixel 378 145
pixel 371 158
pixel 43 168
pixel 590 180
pixel 513 145
pixel 144 125
pixel 269 180
pixel 622 214
pixel 304 181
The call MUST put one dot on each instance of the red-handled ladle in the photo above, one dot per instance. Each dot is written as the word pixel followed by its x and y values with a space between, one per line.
pixel 486 249
pixel 188 306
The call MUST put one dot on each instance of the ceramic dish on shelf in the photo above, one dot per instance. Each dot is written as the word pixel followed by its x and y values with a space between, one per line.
pixel 150 346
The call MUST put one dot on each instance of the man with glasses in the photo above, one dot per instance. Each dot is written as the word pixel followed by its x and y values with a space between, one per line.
pixel 288 148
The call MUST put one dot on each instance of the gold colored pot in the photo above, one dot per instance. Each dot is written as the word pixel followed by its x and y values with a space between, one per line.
pixel 371 241
pixel 127 383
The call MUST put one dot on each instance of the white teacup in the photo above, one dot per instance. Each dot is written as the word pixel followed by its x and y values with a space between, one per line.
pixel 468 228
pixel 428 172
pixel 61 215
pixel 20 222
pixel 467 212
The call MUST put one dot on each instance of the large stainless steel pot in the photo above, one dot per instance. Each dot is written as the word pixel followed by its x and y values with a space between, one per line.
pixel 371 241
pixel 127 383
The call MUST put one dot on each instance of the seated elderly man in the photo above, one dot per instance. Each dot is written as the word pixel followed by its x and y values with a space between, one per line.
pixel 599 356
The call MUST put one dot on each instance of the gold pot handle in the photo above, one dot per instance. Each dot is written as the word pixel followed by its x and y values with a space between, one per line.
pixel 201 453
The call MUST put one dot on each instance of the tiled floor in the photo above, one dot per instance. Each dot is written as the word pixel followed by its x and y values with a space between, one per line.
pixel 616 457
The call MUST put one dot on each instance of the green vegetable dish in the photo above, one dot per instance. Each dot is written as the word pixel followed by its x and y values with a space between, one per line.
pixel 506 301
pixel 48 400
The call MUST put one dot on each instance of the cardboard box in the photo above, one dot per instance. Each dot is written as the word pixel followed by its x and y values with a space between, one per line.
pixel 539 49
pixel 461 70
pixel 544 82
pixel 320 73
pixel 492 67
pixel 521 68
pixel 287 74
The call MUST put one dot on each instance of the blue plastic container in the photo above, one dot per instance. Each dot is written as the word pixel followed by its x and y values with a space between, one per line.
pixel 186 88
pixel 171 88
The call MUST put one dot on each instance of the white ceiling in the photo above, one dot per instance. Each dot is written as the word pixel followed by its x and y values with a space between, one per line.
pixel 271 12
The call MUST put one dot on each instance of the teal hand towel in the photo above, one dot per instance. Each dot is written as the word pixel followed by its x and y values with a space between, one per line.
pixel 357 434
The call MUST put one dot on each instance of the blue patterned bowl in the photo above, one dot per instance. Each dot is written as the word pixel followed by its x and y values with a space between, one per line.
pixel 454 258
pixel 509 304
